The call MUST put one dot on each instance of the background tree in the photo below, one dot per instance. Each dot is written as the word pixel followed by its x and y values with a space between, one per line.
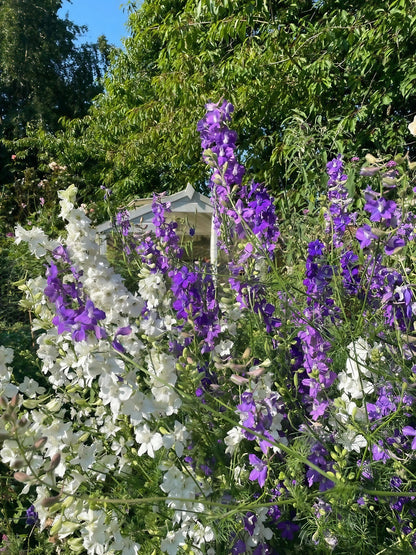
pixel 43 74
pixel 44 77
pixel 307 78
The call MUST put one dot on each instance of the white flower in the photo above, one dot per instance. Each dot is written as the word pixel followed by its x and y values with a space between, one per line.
pixel 38 242
pixel 6 357
pixel 138 407
pixel 75 480
pixel 10 452
pixel 412 127
pixel 172 480
pixel 201 534
pixel 162 377
pixel 172 542
pixel 177 438
pixel 239 472
pixel 150 441
pixel 126 545
pixel 86 455
pixel 68 197
pixel 224 347
pixel 31 388
pixel 260 533
pixel 351 409
pixel 152 288
pixel 59 434
pixel 354 387
pixel 113 392
pixel 233 438
pixel 352 441
pixel 8 390
pixel 94 531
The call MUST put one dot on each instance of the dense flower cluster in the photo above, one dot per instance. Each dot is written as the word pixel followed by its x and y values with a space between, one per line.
pixel 158 253
pixel 74 312
pixel 206 409
pixel 251 231
pixel 338 216
pixel 248 207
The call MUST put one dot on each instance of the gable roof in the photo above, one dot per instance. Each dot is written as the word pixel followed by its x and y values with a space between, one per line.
pixel 184 204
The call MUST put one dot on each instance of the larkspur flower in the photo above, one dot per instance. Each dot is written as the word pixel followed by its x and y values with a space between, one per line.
pixel 259 471
pixel 365 236
pixel 32 517
pixel 410 432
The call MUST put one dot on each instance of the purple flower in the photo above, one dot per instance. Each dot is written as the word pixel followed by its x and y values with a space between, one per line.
pixel 123 222
pixel 116 344
pixel 238 548
pixel 318 409
pixel 379 454
pixel 365 236
pixel 259 471
pixel 107 192
pixel 317 457
pixel 396 482
pixel 69 317
pixel 410 432
pixel 316 248
pixel 393 244
pixel 350 272
pixel 250 520
pixel 32 516
pixel 380 209
pixel 207 470
pixel 334 170
pixel 274 513
pixel 321 508
pixel 365 468
pixel 288 529
pixel 337 216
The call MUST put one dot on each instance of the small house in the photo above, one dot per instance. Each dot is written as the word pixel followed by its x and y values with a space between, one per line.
pixel 191 210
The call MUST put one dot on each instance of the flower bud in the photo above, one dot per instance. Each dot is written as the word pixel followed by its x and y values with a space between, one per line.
pixel 256 371
pixel 55 460
pixel 372 159
pixel 17 463
pixel 49 501
pixel 238 380
pixel 22 477
pixel 40 442
pixel 14 401
pixel 22 422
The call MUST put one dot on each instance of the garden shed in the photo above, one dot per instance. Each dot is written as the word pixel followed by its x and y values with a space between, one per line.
pixel 190 209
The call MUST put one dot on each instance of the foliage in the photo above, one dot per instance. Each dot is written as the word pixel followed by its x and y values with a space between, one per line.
pixel 35 179
pixel 310 79
pixel 254 407
pixel 43 76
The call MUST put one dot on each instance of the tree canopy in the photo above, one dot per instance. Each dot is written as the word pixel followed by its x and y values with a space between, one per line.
pixel 46 77
pixel 307 78
pixel 43 74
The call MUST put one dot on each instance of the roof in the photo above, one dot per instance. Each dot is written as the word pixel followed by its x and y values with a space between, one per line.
pixel 186 204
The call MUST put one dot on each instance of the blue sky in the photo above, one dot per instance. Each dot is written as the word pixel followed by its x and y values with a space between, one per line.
pixel 102 17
